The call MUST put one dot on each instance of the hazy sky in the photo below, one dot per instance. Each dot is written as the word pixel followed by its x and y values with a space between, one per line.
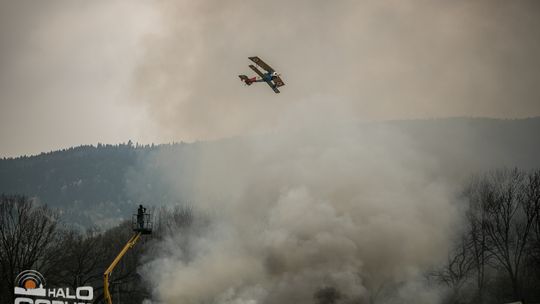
pixel 82 72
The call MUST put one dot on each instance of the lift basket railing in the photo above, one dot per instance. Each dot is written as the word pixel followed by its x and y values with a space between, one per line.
pixel 142 223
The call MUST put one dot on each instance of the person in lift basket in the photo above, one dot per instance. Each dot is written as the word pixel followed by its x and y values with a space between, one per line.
pixel 140 216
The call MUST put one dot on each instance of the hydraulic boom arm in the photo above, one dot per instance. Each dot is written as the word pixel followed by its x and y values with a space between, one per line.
pixel 107 273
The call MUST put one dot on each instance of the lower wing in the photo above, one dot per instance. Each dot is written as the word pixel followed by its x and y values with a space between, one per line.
pixel 274 87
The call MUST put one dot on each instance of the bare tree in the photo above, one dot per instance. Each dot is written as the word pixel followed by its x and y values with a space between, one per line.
pixel 26 234
pixel 533 195
pixel 509 218
pixel 457 270
pixel 82 258
pixel 477 193
pixel 171 221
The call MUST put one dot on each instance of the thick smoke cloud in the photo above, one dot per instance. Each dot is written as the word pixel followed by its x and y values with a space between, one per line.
pixel 67 65
pixel 306 200
pixel 349 207
pixel 381 59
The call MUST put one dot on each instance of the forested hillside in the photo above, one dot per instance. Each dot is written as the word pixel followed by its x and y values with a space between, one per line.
pixel 85 182
pixel 462 163
pixel 99 185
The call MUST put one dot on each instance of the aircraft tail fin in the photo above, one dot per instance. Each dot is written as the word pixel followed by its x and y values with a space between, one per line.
pixel 246 79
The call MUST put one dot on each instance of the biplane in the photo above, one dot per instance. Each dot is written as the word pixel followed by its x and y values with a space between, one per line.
pixel 271 77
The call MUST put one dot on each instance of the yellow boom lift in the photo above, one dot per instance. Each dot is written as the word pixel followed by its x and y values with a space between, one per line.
pixel 141 224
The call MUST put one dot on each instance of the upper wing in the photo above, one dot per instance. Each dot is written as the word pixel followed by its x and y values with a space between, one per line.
pixel 273 87
pixel 279 83
pixel 277 80
pixel 254 68
pixel 261 63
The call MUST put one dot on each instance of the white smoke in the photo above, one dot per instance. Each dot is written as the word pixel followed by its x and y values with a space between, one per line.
pixel 307 199
pixel 383 60
pixel 313 204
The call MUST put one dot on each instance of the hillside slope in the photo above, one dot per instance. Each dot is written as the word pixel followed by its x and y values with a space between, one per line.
pixel 99 185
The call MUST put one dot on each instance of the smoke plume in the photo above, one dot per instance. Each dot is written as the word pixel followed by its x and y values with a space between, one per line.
pixel 314 207
pixel 309 205
pixel 379 59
